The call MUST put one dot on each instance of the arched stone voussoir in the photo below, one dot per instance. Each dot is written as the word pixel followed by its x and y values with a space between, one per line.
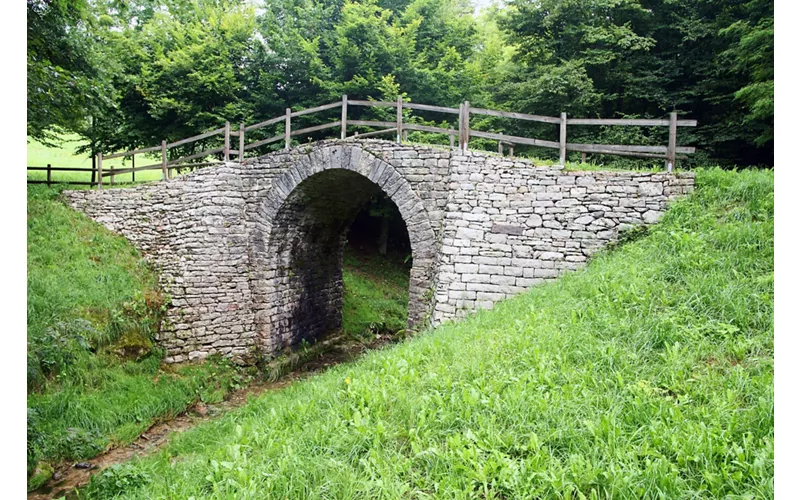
pixel 353 158
pixel 284 184
pixel 359 161
pixel 380 174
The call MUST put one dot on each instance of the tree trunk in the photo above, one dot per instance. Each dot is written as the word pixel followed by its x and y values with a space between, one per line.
pixel 384 237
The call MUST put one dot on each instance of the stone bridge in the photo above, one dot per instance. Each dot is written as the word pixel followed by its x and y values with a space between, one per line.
pixel 251 253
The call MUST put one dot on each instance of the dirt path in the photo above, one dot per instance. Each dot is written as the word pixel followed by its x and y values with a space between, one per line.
pixel 69 477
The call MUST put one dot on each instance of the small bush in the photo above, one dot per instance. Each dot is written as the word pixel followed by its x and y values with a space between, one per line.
pixel 116 480
pixel 56 349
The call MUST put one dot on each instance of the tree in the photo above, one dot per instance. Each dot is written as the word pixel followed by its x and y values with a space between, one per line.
pixel 64 79
pixel 753 57
pixel 128 73
pixel 179 69
pixel 705 59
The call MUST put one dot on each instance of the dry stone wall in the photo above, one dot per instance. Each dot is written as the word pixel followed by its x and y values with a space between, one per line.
pixel 251 253
pixel 510 225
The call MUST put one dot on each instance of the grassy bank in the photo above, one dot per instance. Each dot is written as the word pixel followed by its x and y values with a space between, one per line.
pixel 647 374
pixel 94 374
pixel 375 295
pixel 95 377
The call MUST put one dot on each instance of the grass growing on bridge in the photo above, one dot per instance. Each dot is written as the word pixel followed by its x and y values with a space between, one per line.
pixel 647 374
pixel 94 376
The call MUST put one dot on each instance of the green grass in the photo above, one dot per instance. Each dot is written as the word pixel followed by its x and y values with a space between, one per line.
pixel 64 156
pixel 375 295
pixel 648 374
pixel 94 375
pixel 593 166
pixel 40 155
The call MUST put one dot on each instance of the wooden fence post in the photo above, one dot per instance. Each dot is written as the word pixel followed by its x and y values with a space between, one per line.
pixel 99 170
pixel 583 157
pixel 461 127
pixel 133 168
pixel 226 149
pixel 111 168
pixel 500 146
pixel 241 142
pixel 49 178
pixel 164 160
pixel 511 150
pixel 344 116
pixel 562 141
pixel 466 125
pixel 399 119
pixel 287 134
pixel 405 135
pixel 673 139
pixel 450 135
pixel 94 169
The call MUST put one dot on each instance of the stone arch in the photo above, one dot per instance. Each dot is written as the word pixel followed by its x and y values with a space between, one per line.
pixel 301 226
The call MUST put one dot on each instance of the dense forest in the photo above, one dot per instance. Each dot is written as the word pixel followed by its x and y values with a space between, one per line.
pixel 129 73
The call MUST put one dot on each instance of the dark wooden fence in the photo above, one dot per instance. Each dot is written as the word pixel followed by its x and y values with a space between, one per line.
pixel 399 129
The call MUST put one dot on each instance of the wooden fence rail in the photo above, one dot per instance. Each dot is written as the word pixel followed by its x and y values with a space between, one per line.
pixel 400 130
pixel 111 172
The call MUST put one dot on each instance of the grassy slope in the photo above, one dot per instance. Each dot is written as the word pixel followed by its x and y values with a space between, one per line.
pixel 85 283
pixel 647 374
pixel 90 297
pixel 375 295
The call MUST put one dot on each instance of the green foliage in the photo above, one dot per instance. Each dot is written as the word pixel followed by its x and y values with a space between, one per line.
pixel 115 480
pixel 57 349
pixel 179 70
pixel 40 476
pixel 753 56
pixel 647 374
pixel 607 58
pixel 196 78
pixel 129 74
pixel 64 79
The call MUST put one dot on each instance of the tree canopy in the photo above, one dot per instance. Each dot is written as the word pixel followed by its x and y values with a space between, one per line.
pixel 128 73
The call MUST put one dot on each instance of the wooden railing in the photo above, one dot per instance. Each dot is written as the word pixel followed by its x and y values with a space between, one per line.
pixel 50 169
pixel 399 129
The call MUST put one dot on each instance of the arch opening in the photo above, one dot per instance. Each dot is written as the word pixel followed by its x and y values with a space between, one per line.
pixel 302 279
pixel 300 231
pixel 376 267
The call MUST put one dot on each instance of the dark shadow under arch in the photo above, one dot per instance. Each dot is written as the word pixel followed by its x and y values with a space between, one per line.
pixel 304 220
